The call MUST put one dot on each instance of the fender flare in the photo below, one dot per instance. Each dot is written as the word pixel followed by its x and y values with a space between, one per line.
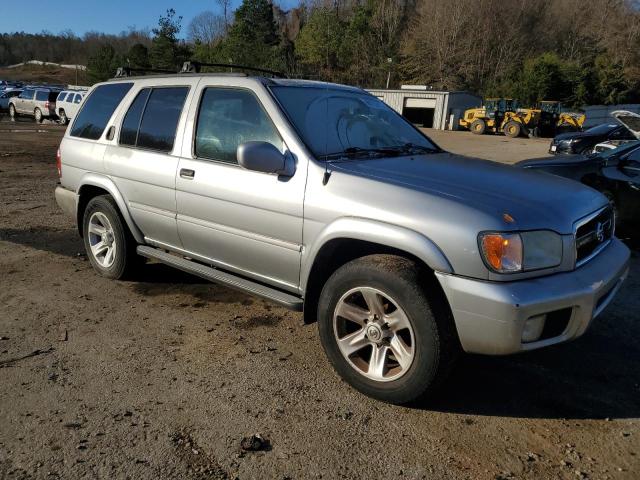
pixel 107 184
pixel 374 231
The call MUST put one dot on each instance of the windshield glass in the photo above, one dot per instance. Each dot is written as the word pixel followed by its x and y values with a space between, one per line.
pixel 603 128
pixel 621 150
pixel 334 121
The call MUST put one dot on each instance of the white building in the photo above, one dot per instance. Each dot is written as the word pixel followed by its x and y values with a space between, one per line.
pixel 429 108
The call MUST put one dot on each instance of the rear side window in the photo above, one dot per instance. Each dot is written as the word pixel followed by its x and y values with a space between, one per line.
pixel 227 118
pixel 42 96
pixel 27 94
pixel 97 110
pixel 61 97
pixel 152 119
pixel 131 123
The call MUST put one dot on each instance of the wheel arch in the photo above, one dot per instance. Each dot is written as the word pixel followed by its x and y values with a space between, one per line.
pixel 94 185
pixel 350 238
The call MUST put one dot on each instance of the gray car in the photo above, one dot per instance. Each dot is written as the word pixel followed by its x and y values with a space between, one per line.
pixel 320 197
pixel 36 102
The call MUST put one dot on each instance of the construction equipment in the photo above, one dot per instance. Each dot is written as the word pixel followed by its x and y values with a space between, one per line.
pixel 490 117
pixel 548 119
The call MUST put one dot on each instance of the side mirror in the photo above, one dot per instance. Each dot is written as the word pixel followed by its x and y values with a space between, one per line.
pixel 264 157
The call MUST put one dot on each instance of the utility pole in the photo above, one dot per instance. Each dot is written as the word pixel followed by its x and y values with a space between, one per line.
pixel 389 61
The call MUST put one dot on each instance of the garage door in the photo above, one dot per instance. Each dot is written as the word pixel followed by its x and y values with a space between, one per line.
pixel 420 102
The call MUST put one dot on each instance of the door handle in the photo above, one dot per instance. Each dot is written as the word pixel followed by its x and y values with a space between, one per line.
pixel 187 173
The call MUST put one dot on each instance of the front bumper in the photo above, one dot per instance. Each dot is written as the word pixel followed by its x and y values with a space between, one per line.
pixel 67 200
pixel 490 316
pixel 560 148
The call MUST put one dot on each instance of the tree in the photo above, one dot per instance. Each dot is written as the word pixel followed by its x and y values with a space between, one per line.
pixel 206 28
pixel 138 56
pixel 164 47
pixel 103 64
pixel 253 39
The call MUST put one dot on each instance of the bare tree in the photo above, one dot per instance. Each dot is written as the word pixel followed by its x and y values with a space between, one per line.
pixel 207 28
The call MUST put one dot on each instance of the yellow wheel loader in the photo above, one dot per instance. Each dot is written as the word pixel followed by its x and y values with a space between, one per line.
pixel 490 117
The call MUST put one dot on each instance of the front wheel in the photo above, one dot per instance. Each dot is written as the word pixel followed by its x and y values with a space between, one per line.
pixel 12 112
pixel 63 117
pixel 512 129
pixel 479 126
pixel 386 329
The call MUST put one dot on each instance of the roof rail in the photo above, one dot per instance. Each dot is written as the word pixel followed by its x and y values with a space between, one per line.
pixel 195 67
pixel 128 71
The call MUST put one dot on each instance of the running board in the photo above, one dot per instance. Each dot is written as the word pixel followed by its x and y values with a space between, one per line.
pixel 218 276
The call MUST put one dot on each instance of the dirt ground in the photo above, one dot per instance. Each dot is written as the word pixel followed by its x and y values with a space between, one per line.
pixel 164 376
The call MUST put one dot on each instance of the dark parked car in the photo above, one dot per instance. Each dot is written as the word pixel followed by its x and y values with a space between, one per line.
pixel 5 96
pixel 614 172
pixel 583 142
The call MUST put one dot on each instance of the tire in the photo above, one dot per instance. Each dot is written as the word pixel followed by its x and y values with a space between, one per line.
pixel 512 129
pixel 425 334
pixel 63 117
pixel 37 114
pixel 479 126
pixel 12 112
pixel 114 235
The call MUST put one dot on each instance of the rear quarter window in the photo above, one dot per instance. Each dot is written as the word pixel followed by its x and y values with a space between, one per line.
pixel 61 97
pixel 160 118
pixel 97 110
pixel 42 96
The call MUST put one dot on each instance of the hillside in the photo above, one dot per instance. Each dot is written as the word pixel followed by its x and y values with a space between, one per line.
pixel 44 74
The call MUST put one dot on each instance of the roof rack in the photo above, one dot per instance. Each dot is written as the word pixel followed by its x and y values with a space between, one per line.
pixel 196 67
pixel 128 71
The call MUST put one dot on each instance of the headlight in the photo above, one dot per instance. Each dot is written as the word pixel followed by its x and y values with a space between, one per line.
pixel 512 252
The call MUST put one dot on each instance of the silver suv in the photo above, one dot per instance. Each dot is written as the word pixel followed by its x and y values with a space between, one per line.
pixel 39 103
pixel 320 196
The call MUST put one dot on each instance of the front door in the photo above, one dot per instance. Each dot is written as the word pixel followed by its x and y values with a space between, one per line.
pixel 245 221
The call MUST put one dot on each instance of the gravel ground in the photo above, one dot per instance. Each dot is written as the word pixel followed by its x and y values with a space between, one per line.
pixel 165 376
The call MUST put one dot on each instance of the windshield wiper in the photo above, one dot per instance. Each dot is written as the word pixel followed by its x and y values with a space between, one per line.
pixel 353 152
pixel 412 147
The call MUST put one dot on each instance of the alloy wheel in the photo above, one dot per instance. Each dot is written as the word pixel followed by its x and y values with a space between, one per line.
pixel 102 240
pixel 374 334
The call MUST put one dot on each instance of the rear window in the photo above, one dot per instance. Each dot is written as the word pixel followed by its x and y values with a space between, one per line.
pixel 129 130
pixel 160 109
pixel 61 97
pixel 97 110
pixel 42 96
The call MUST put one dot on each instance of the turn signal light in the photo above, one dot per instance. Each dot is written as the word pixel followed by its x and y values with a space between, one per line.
pixel 502 251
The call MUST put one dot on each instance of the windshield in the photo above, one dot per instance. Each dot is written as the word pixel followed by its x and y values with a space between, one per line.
pixel 603 128
pixel 333 122
pixel 621 150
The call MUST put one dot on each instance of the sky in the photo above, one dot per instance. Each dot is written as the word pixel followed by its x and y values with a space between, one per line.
pixel 108 16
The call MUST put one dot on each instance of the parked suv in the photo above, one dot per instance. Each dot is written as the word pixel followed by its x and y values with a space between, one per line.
pixel 7 95
pixel 319 196
pixel 39 103
pixel 67 104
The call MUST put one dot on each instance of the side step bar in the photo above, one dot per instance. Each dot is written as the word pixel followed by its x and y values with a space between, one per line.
pixel 218 276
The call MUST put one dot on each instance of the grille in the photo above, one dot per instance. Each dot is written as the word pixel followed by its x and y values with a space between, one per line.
pixel 593 235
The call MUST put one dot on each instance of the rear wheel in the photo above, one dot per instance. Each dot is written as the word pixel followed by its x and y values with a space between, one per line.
pixel 385 328
pixel 478 126
pixel 37 114
pixel 63 117
pixel 110 247
pixel 512 129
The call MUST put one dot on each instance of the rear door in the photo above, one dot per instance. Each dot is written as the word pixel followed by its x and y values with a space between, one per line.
pixel 142 158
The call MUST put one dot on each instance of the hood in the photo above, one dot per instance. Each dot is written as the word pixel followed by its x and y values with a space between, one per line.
pixel 630 120
pixel 576 135
pixel 542 162
pixel 535 200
